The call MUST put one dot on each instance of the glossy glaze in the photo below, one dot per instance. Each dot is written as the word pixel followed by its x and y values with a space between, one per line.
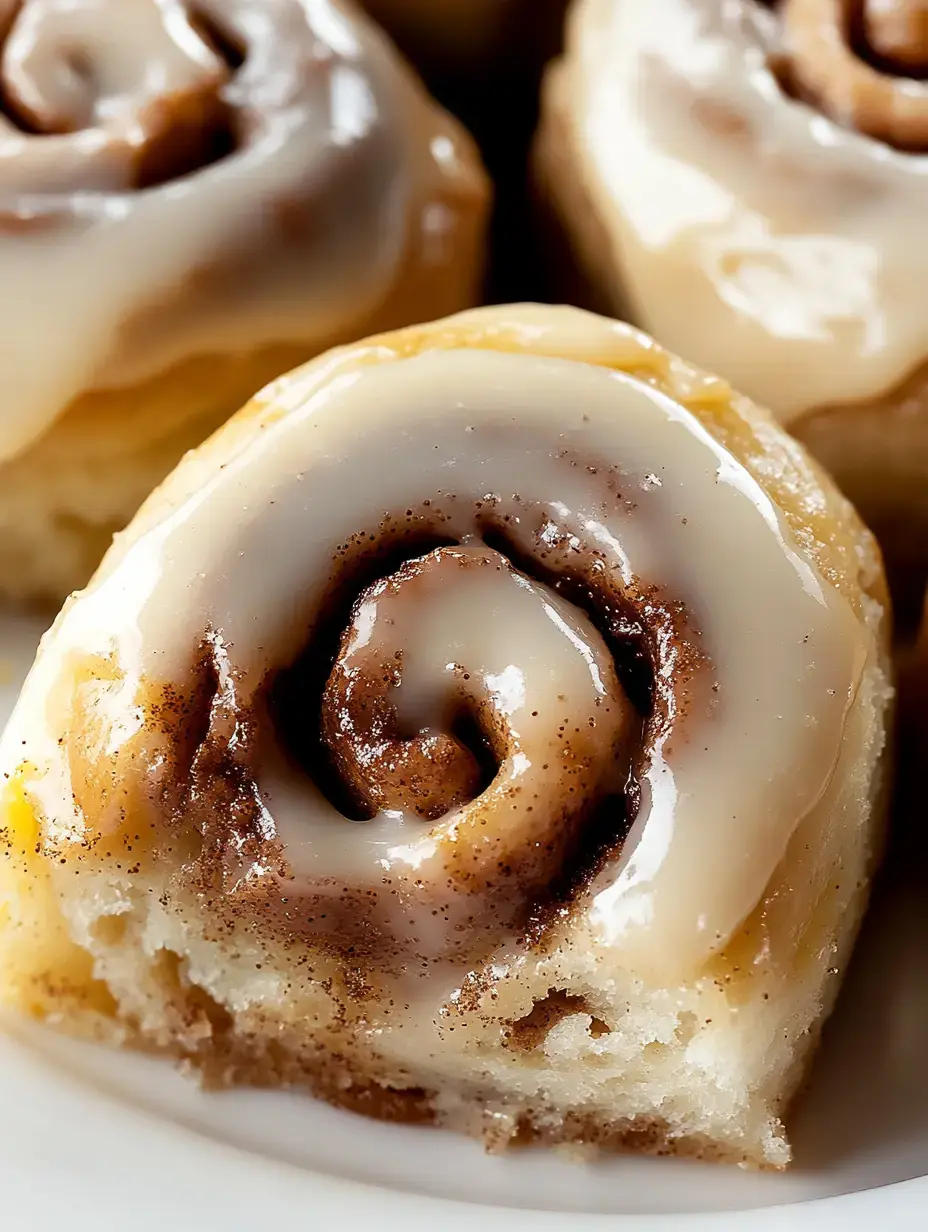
pixel 584 467
pixel 755 232
pixel 161 200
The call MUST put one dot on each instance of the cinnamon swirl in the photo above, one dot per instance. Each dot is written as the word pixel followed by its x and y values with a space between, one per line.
pixel 195 195
pixel 485 727
pixel 748 181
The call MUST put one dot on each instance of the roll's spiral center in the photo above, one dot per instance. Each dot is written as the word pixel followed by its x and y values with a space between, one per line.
pixel 68 67
pixel 862 62
pixel 134 90
pixel 457 669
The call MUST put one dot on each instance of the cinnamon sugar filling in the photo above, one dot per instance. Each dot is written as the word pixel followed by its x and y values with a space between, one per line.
pixel 497 850
pixel 115 130
pixel 863 63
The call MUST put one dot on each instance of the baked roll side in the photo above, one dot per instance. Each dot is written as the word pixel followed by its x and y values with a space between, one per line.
pixel 599 653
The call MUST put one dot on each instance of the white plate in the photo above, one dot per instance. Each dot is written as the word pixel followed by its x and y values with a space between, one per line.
pixel 89 1139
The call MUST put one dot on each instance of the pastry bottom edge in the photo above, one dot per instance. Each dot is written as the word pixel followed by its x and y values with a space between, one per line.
pixel 217 1058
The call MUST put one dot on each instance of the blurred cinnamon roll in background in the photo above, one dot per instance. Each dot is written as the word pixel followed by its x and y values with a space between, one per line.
pixel 749 182
pixel 195 195
pixel 485 727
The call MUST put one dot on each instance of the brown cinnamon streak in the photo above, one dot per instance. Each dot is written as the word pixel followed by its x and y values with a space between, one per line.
pixel 337 724
pixel 862 64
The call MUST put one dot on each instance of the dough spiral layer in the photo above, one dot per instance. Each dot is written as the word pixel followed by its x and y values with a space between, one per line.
pixel 747 181
pixel 194 197
pixel 431 686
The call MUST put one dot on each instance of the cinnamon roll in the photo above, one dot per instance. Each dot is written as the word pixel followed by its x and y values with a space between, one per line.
pixel 484 727
pixel 748 181
pixel 195 195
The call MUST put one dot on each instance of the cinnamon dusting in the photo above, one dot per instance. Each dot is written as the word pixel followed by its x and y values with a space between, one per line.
pixel 334 717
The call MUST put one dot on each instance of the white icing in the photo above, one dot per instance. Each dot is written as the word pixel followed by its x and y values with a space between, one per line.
pixel 767 244
pixel 109 285
pixel 246 548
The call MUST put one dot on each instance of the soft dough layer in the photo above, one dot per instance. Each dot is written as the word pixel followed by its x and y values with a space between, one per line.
pixel 746 180
pixel 228 190
pixel 594 658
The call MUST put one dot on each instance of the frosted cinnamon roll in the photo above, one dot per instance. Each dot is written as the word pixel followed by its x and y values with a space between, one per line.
pixel 484 727
pixel 195 195
pixel 748 181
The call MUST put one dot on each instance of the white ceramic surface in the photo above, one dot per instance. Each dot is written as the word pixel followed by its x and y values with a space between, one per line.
pixel 93 1140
